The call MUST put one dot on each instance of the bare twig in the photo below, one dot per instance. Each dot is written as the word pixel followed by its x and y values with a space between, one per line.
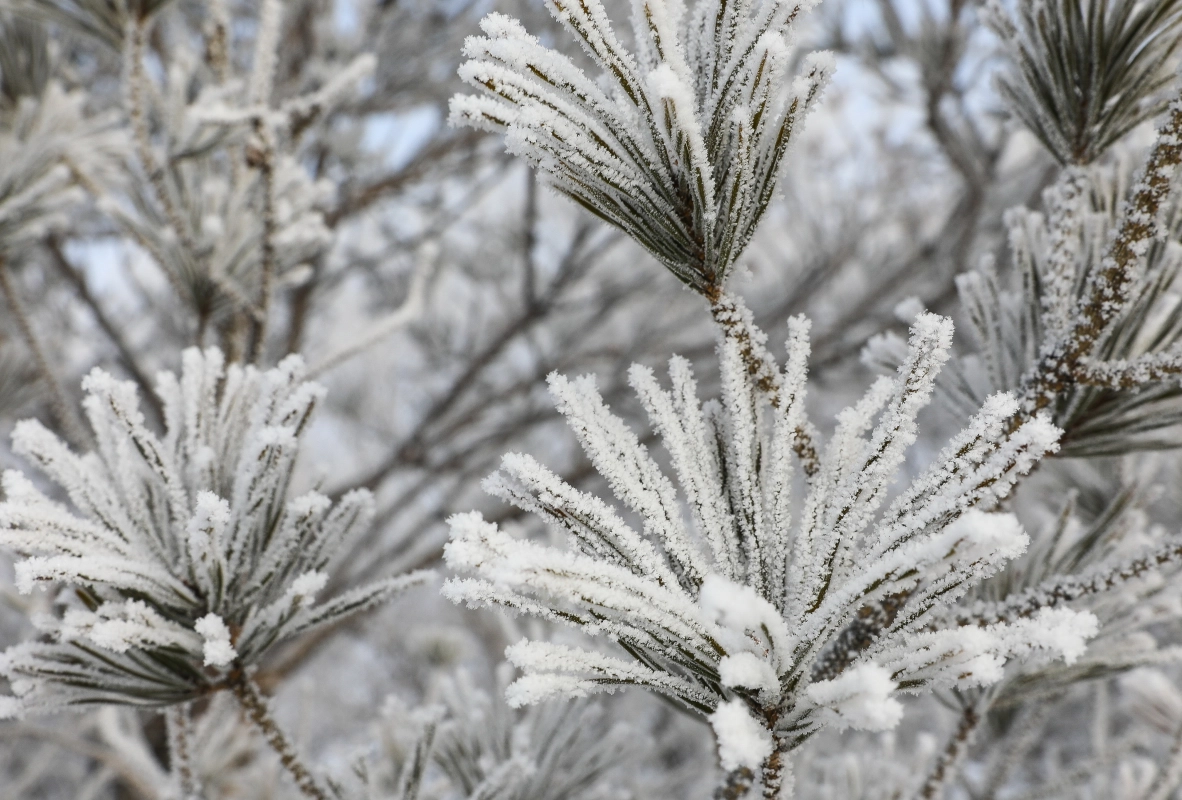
pixel 126 356
pixel 63 411
pixel 410 309
pixel 409 452
pixel 365 197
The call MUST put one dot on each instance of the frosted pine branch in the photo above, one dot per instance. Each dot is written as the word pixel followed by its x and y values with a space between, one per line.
pixel 472 745
pixel 736 322
pixel 953 752
pixel 1058 590
pixel 182 557
pixel 1060 333
pixel 757 615
pixel 679 143
pixel 256 707
pixel 1132 374
pixel 1109 286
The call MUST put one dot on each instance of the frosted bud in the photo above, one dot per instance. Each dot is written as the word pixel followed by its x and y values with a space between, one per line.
pixel 742 740
pixel 217 649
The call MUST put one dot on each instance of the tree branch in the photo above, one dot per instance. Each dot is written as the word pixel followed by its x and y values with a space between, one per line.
pixel 735 321
pixel 63 411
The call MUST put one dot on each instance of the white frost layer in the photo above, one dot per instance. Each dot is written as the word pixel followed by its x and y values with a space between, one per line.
pixel 748 671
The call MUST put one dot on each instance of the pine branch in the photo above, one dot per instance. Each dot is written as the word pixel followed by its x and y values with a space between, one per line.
pixel 256 707
pixel 734 319
pixel 1126 375
pixel 1063 589
pixel 775 776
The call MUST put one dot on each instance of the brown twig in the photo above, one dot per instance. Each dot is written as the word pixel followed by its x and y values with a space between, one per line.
pixel 256 707
pixel 945 766
pixel 1064 365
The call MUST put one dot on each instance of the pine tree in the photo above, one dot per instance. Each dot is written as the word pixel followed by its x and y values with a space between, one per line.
pixel 205 184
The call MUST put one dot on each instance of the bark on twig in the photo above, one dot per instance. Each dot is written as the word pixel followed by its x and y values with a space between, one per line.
pixel 256 707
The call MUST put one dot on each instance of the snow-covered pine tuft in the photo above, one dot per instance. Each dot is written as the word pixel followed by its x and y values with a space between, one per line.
pixel 679 143
pixel 806 613
pixel 182 558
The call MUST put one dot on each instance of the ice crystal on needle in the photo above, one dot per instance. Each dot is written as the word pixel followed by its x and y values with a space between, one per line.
pixel 184 556
pixel 758 613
